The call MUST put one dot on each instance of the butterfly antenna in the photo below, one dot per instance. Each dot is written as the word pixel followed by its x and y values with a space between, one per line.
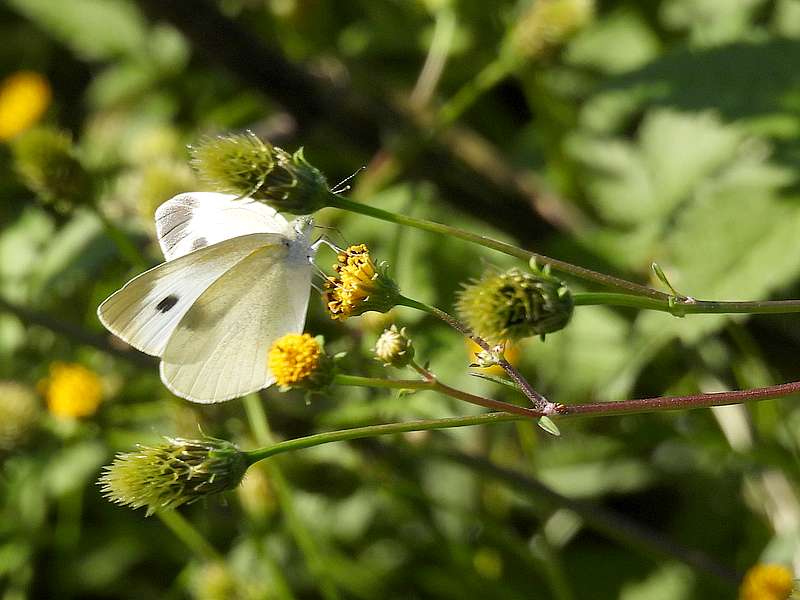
pixel 324 239
pixel 340 187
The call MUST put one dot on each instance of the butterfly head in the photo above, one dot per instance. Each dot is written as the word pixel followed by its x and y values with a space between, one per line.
pixel 303 227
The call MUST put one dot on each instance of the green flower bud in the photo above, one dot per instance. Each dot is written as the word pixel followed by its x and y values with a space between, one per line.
pixel 19 414
pixel 243 164
pixel 394 348
pixel 514 304
pixel 548 24
pixel 178 472
pixel 46 160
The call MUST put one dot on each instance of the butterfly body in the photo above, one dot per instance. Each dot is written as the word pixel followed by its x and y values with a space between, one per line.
pixel 237 277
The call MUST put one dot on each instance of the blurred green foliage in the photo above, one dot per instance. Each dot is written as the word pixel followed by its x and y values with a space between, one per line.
pixel 665 131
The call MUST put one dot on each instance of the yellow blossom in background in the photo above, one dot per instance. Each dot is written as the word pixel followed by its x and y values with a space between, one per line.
pixel 24 96
pixel 511 354
pixel 72 390
pixel 766 582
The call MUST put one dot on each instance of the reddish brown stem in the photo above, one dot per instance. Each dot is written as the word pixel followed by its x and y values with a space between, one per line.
pixel 682 402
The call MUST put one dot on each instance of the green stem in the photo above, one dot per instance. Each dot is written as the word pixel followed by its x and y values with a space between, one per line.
pixel 316 565
pixel 487 242
pixel 540 403
pixel 575 410
pixel 433 384
pixel 187 533
pixel 376 430
pixel 443 33
pixel 125 246
pixel 466 96
pixel 682 306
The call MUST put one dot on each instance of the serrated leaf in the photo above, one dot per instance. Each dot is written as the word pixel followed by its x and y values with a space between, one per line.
pixel 631 184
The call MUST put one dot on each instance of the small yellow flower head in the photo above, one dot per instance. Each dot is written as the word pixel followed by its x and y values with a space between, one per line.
pixel 245 165
pixel 24 97
pixel 19 413
pixel 547 24
pixel 394 348
pixel 72 391
pixel 177 472
pixel 299 361
pixel 766 582
pixel 47 162
pixel 359 286
pixel 514 304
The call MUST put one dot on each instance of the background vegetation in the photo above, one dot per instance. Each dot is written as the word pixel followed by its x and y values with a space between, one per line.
pixel 649 131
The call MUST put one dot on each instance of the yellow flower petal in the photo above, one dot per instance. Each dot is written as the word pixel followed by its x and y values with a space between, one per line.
pixel 24 97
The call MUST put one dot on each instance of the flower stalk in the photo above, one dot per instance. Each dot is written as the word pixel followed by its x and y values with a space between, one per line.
pixel 336 201
pixel 687 306
pixel 577 410
pixel 540 403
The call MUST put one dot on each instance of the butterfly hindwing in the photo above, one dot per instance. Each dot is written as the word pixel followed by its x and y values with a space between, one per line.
pixel 195 220
pixel 146 311
pixel 219 349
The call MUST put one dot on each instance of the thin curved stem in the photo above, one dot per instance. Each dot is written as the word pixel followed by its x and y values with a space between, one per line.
pixel 487 242
pixel 486 79
pixel 188 534
pixel 540 403
pixel 316 563
pixel 433 384
pixel 443 33
pixel 619 407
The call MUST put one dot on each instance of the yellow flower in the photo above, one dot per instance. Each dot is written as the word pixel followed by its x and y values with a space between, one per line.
pixel 766 582
pixel 360 286
pixel 24 96
pixel 72 390
pixel 476 354
pixel 298 360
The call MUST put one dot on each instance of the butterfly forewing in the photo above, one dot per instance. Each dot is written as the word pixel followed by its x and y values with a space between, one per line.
pixel 219 349
pixel 147 309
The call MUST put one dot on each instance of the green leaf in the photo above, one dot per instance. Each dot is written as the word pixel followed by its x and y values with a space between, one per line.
pixel 549 426
pixel 94 29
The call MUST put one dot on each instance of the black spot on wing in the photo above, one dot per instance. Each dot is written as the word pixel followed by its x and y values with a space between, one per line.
pixel 166 303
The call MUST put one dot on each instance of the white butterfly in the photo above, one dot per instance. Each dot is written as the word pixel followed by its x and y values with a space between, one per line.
pixel 237 278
